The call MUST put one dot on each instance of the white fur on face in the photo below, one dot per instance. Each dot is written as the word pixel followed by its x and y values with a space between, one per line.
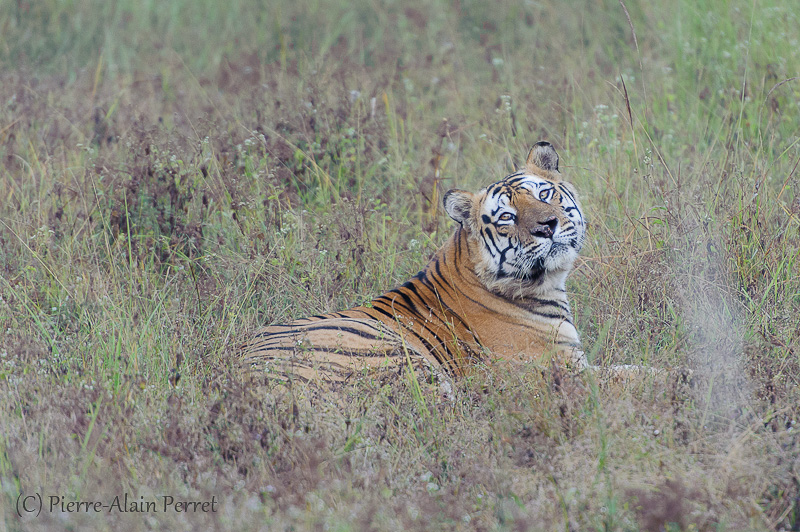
pixel 508 251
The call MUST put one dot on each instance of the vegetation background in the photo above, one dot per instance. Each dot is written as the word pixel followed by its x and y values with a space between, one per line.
pixel 175 174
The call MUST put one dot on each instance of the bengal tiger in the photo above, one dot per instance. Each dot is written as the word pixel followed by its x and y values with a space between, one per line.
pixel 496 288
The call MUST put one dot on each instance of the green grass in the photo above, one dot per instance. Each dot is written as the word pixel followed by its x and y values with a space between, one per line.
pixel 173 175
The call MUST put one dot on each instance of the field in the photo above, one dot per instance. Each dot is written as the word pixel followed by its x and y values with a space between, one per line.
pixel 175 174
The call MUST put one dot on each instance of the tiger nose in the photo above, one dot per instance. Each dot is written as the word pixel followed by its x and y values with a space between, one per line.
pixel 546 228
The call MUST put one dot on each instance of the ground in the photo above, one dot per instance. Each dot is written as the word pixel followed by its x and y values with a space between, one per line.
pixel 174 175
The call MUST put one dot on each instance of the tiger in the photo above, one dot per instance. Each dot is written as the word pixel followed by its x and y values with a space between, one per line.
pixel 494 291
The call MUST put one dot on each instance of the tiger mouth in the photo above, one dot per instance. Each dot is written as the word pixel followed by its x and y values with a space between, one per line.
pixel 531 275
pixel 532 268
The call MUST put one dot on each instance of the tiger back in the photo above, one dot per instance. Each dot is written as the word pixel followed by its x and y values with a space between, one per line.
pixel 495 289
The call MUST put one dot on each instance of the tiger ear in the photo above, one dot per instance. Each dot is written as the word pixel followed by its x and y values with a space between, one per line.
pixel 458 204
pixel 542 157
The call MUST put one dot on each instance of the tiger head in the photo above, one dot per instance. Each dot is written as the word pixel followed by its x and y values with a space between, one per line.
pixel 528 228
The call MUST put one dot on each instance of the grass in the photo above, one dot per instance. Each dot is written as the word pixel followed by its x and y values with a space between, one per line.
pixel 173 176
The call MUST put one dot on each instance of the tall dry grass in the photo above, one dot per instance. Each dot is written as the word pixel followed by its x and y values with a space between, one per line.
pixel 173 176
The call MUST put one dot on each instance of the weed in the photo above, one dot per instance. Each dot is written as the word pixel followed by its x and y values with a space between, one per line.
pixel 162 195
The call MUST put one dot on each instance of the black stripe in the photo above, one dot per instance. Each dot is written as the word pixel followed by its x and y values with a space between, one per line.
pixel 462 321
pixel 434 352
pixel 515 179
pixel 354 351
pixel 424 342
pixel 268 335
pixel 346 315
pixel 558 317
pixel 300 329
pixel 390 315
pixel 445 307
pixel 377 328
pixel 412 286
pixel 484 234
pixel 564 190
pixel 458 243
pixel 420 322
pixel 392 304
pixel 496 190
pixel 340 328
pixel 550 302
pixel 442 282
pixel 407 300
